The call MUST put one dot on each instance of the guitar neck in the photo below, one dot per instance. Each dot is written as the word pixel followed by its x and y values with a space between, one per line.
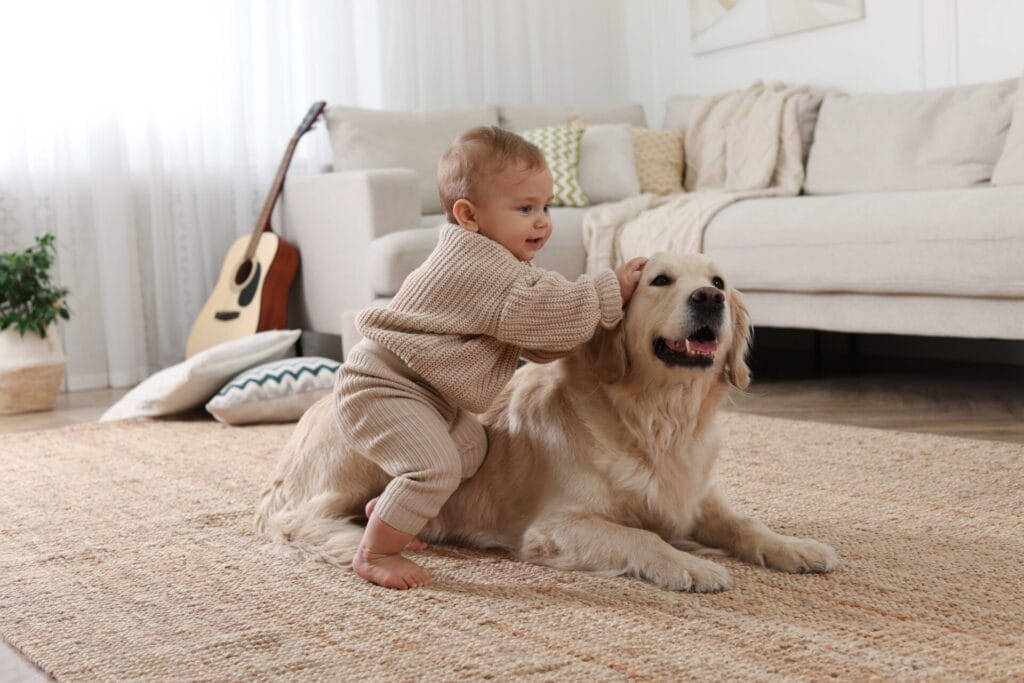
pixel 263 222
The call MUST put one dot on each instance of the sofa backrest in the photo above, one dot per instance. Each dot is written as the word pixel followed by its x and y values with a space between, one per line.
pixel 369 138
pixel 520 117
pixel 372 138
pixel 931 139
pixel 1009 169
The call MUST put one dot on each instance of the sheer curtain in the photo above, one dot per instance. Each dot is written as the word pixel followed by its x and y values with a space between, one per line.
pixel 145 135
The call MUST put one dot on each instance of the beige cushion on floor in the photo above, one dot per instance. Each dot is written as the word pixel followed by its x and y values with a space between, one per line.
pixel 190 383
pixel 1009 169
pixel 520 117
pixel 909 141
pixel 965 242
pixel 393 256
pixel 370 138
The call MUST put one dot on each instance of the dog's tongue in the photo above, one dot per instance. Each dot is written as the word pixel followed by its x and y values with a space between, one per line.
pixel 693 346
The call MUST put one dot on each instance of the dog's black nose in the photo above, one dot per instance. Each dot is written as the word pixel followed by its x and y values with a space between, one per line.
pixel 708 299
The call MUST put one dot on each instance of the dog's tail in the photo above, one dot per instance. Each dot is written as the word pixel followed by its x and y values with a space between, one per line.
pixel 308 531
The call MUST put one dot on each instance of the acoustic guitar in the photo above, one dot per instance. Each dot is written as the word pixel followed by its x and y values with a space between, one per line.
pixel 251 294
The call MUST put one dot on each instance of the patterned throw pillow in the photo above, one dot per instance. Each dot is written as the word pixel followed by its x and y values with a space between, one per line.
pixel 274 392
pixel 659 160
pixel 561 148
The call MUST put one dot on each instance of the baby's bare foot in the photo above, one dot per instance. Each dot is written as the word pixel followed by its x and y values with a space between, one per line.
pixel 390 571
pixel 414 544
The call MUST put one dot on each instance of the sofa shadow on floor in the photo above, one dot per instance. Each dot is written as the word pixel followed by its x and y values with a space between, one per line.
pixel 781 354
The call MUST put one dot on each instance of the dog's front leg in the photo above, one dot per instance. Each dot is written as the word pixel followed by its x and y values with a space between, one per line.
pixel 591 543
pixel 719 526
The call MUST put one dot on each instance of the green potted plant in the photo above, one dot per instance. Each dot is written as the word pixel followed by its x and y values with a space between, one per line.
pixel 31 360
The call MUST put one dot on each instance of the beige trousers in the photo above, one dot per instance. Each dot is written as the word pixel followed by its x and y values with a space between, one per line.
pixel 396 419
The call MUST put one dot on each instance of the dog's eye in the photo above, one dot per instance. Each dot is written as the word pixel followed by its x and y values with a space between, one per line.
pixel 661 281
pixel 718 282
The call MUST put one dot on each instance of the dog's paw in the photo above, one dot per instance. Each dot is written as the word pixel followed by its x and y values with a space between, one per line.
pixel 797 555
pixel 693 574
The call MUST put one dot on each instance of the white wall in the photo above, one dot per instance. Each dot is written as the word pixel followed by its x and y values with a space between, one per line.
pixel 898 45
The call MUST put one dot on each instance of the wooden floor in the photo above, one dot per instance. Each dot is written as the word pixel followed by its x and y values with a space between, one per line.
pixel 977 406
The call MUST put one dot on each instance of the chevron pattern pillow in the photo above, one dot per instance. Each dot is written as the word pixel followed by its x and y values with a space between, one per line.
pixel 280 391
pixel 561 148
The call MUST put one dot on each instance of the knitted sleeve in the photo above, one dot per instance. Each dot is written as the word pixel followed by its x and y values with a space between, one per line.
pixel 544 311
pixel 543 357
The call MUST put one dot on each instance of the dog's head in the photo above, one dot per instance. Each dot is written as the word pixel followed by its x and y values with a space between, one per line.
pixel 684 319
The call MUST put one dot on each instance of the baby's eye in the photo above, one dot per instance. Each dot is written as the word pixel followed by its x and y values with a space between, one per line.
pixel 525 209
pixel 547 208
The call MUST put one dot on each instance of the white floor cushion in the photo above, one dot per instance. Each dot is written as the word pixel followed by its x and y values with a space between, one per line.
pixel 191 383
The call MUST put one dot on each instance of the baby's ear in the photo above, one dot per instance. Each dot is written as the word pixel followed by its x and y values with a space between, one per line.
pixel 465 215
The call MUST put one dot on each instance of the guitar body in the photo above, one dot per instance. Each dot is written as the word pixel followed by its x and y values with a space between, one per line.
pixel 247 298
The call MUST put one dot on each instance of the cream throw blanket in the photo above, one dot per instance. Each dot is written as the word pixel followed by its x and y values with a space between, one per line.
pixel 739 144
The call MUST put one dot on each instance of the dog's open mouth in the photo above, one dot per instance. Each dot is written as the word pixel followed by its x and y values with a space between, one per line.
pixel 697 349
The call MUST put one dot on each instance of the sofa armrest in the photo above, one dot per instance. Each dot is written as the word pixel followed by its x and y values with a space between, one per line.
pixel 332 218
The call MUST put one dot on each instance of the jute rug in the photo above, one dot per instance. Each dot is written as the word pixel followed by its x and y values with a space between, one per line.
pixel 126 553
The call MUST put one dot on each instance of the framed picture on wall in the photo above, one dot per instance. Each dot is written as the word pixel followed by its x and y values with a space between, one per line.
pixel 715 24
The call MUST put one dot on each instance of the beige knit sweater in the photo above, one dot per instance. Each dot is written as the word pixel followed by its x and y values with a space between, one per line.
pixel 463 319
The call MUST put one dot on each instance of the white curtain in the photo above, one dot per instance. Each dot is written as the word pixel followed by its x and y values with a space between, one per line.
pixel 145 134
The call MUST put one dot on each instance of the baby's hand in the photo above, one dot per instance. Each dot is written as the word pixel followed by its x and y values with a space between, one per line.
pixel 629 275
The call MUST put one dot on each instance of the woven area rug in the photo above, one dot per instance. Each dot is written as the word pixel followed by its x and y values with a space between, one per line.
pixel 126 554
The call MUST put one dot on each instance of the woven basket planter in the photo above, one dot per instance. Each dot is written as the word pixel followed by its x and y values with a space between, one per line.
pixel 31 369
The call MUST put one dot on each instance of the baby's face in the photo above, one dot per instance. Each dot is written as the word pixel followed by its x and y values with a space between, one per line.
pixel 513 210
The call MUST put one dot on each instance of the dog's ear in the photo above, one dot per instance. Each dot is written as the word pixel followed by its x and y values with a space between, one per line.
pixel 737 371
pixel 606 354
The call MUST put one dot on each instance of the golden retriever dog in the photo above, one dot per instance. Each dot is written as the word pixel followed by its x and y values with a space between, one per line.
pixel 601 461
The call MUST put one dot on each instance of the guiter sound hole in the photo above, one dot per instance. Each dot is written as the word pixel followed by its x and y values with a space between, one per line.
pixel 242 274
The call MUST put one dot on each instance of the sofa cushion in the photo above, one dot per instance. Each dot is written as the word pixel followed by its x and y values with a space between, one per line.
pixel 963 242
pixel 561 148
pixel 370 138
pixel 607 163
pixel 395 255
pixel 909 141
pixel 520 117
pixel 1009 169
pixel 659 160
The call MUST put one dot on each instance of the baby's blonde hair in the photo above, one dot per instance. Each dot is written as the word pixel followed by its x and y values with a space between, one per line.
pixel 477 154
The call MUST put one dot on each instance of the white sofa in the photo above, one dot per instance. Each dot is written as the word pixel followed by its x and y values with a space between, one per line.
pixel 899 229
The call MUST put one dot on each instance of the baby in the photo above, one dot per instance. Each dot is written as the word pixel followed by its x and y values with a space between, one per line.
pixel 451 338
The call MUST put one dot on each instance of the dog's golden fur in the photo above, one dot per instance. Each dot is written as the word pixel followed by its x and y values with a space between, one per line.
pixel 602 461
